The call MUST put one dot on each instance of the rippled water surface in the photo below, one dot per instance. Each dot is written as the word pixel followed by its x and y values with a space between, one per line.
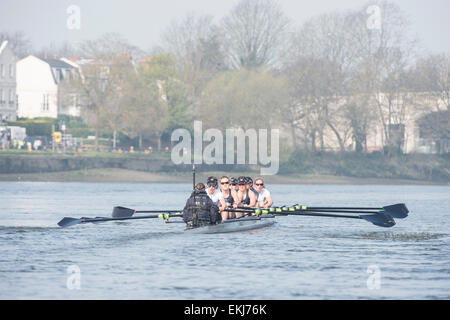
pixel 297 258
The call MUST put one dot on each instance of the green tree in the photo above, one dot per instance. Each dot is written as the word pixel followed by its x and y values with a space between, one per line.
pixel 244 99
pixel 161 71
pixel 145 113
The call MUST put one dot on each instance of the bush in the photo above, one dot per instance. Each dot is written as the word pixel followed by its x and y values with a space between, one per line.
pixel 80 132
pixel 36 127
pixel 72 122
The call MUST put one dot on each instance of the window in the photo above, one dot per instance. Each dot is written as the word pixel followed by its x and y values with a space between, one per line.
pixel 2 71
pixel 11 96
pixel 1 96
pixel 45 103
pixel 11 71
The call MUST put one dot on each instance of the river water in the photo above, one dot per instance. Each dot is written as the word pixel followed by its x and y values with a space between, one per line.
pixel 297 258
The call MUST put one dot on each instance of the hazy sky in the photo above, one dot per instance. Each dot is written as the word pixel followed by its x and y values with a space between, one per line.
pixel 142 21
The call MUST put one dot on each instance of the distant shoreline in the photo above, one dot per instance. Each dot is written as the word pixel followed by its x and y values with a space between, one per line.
pixel 115 175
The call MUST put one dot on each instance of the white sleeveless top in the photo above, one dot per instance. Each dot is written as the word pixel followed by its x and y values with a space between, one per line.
pixel 216 196
pixel 263 195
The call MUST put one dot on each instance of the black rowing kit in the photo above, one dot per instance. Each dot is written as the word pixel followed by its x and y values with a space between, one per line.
pixel 229 199
pixel 246 200
pixel 200 210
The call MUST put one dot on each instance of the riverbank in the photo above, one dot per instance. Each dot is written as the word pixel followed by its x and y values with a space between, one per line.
pixel 118 175
pixel 300 168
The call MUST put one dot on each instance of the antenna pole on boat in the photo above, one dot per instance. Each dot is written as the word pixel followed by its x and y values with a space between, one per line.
pixel 194 215
pixel 193 177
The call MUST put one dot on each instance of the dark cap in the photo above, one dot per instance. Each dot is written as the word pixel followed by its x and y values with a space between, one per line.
pixel 242 180
pixel 212 181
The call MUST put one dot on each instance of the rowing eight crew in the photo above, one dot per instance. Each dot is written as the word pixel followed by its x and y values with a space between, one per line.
pixel 236 193
pixel 209 207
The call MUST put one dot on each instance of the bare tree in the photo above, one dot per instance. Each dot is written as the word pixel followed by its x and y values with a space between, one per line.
pixel 65 49
pixel 19 42
pixel 107 47
pixel 198 49
pixel 255 32
pixel 382 58
pixel 430 81
pixel 318 69
pixel 431 75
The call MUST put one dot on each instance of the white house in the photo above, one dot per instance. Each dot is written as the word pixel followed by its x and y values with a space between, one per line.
pixel 37 87
pixel 8 101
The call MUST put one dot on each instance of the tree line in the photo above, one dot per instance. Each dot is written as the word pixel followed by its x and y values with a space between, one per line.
pixel 336 76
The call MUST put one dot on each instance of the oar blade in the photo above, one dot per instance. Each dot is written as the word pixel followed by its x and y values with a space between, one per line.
pixel 379 219
pixel 398 210
pixel 122 212
pixel 67 222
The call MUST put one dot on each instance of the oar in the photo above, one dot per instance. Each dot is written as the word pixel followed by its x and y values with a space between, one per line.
pixel 122 212
pixel 398 210
pixel 67 221
pixel 377 218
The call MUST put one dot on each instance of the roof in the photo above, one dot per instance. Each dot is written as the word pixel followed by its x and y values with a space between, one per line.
pixel 3 45
pixel 56 63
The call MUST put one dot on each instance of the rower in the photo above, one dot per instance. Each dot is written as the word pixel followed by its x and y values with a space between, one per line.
pixel 216 196
pixel 229 195
pixel 250 186
pixel 200 209
pixel 234 184
pixel 264 197
pixel 246 198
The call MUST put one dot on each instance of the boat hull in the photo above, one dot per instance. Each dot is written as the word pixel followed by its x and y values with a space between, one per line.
pixel 235 225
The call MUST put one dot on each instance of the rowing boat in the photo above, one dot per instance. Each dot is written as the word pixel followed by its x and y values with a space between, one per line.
pixel 236 225
pixel 258 218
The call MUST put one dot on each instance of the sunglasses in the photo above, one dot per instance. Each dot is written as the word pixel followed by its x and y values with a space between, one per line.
pixel 212 185
pixel 259 184
pixel 226 182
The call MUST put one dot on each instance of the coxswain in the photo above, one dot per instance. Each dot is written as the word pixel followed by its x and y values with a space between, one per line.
pixel 200 209
pixel 264 198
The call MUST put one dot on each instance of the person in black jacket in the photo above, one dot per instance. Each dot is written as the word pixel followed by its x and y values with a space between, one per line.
pixel 200 210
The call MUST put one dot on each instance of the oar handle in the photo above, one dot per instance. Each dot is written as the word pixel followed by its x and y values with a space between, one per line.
pixel 315 214
pixel 343 208
pixel 158 211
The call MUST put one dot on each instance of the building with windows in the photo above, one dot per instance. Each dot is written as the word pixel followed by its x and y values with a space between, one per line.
pixel 8 98
pixel 37 87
